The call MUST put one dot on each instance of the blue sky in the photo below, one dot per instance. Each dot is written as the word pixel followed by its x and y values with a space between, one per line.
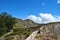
pixel 24 8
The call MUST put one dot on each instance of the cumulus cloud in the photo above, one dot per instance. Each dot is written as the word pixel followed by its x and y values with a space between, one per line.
pixel 44 18
pixel 58 1
pixel 47 17
pixel 34 18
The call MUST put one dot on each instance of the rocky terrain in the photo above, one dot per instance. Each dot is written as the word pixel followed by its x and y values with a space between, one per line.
pixel 24 29
pixel 21 30
pixel 25 23
pixel 50 31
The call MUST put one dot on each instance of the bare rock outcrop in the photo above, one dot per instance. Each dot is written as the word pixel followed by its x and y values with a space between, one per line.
pixel 50 31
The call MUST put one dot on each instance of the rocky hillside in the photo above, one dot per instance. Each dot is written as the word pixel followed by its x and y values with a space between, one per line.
pixel 25 23
pixel 50 31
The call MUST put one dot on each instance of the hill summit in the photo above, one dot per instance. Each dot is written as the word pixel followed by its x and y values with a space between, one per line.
pixel 25 23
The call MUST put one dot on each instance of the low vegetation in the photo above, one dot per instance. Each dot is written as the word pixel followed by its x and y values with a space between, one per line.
pixel 22 33
pixel 12 28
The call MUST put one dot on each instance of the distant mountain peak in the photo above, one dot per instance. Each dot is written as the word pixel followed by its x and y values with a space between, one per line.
pixel 23 23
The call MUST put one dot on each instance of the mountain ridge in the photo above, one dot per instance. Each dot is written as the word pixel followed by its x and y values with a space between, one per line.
pixel 25 23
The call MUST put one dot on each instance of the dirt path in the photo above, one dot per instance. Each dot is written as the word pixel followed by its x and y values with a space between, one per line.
pixel 32 36
pixel 7 34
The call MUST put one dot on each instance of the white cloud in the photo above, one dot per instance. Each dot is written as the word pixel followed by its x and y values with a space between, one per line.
pixel 34 18
pixel 47 17
pixel 44 18
pixel 58 1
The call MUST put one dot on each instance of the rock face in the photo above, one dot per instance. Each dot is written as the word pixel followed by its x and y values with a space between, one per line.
pixel 2 38
pixel 50 31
